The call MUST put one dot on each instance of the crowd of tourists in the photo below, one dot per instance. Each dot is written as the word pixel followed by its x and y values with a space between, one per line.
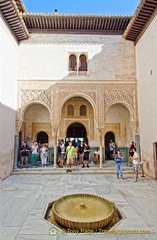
pixel 39 152
pixel 68 154
pixel 71 153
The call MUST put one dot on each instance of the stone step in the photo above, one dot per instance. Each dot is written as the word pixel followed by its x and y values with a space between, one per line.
pixel 109 170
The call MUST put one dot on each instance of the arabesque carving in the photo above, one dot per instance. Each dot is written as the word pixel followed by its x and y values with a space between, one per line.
pixel 35 95
pixel 113 127
pixel 112 97
pixel 41 127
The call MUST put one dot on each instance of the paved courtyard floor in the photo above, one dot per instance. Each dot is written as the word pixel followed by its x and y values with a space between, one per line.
pixel 23 199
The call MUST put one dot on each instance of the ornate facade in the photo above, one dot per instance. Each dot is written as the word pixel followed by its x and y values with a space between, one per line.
pixel 73 62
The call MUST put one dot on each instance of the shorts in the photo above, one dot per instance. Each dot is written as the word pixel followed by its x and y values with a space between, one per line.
pixel 62 155
pixel 70 160
pixel 86 157
pixel 24 159
pixel 111 152
pixel 135 166
pixel 76 155
pixel 81 154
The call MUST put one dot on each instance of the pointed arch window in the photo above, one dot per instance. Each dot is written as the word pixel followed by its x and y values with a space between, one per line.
pixel 83 110
pixel 82 63
pixel 72 63
pixel 70 110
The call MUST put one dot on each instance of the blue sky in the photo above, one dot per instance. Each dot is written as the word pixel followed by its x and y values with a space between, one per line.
pixel 107 7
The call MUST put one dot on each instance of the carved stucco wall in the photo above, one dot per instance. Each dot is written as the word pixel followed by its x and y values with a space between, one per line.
pixel 36 119
pixel 35 95
pixel 118 121
pixel 87 121
pixel 41 127
pixel 98 97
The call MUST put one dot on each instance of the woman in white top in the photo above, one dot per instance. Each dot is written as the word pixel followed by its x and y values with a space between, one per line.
pixel 34 156
pixel 44 155
pixel 97 155
pixel 135 160
pixel 61 159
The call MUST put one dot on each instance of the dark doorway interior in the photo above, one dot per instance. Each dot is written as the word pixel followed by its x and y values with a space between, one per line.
pixel 42 137
pixel 76 130
pixel 108 136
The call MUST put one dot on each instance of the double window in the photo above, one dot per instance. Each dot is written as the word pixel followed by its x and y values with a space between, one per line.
pixel 82 110
pixel 78 63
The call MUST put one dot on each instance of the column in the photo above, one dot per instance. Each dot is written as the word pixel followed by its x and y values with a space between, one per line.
pixel 55 131
pixel 100 144
pixel 16 150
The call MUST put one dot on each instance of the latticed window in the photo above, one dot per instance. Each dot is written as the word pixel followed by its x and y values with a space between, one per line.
pixel 83 110
pixel 82 63
pixel 72 63
pixel 70 110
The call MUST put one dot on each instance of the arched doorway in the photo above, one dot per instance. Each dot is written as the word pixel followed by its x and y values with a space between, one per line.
pixel 42 137
pixel 108 136
pixel 77 131
pixel 73 110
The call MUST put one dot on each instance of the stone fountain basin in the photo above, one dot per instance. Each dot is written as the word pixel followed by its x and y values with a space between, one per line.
pixel 83 211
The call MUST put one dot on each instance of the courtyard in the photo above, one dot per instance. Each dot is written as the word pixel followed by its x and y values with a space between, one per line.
pixel 24 198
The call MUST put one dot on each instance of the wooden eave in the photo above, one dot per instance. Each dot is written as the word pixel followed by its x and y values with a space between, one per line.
pixel 13 18
pixel 20 6
pixel 70 22
pixel 141 19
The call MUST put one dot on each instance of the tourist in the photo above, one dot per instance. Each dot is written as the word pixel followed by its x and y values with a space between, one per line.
pixel 67 143
pixel 111 148
pixel 76 152
pixel 118 163
pixel 97 155
pixel 135 160
pixel 132 146
pixel 86 155
pixel 24 150
pixel 44 154
pixel 70 156
pixel 35 153
pixel 62 155
pixel 81 152
pixel 39 145
pixel 58 151
pixel 107 154
pixel 77 144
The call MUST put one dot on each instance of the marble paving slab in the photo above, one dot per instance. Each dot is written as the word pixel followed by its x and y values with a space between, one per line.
pixel 23 200
pixel 8 233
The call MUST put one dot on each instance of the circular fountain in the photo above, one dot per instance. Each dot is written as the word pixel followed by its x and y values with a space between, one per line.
pixel 83 211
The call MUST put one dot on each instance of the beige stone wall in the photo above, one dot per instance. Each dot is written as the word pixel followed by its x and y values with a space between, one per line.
pixel 45 56
pixel 36 119
pixel 8 90
pixel 118 119
pixel 146 58
pixel 110 107
pixel 7 134
pixel 44 78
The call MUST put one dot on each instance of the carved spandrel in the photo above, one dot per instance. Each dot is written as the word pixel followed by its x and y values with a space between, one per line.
pixel 40 127
pixel 35 95
pixel 120 96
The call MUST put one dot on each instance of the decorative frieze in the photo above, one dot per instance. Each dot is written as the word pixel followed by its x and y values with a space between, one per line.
pixel 35 95
pixel 41 127
pixel 116 96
